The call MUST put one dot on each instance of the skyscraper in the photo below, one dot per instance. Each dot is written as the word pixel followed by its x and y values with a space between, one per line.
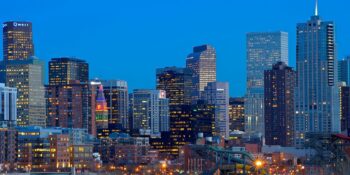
pixel 263 50
pixel 217 94
pixel 8 107
pixel 177 82
pixel 67 105
pixel 101 111
pixel 116 94
pixel 344 70
pixel 279 83
pixel 63 70
pixel 202 62
pixel 27 77
pixel 17 40
pixel 317 92
pixel 149 110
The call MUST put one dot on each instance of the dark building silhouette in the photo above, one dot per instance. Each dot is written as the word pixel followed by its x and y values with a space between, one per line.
pixel 63 70
pixel 279 86
pixel 345 109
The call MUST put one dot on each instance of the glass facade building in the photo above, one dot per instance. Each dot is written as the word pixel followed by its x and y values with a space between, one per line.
pixel 116 95
pixel 202 62
pixel 217 94
pixel 17 40
pixel 27 77
pixel 63 70
pixel 149 110
pixel 344 70
pixel 317 91
pixel 263 50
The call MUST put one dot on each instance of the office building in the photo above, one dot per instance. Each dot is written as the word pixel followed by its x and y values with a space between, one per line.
pixel 217 94
pixel 344 70
pixel 279 84
pixel 149 110
pixel 317 91
pixel 27 77
pixel 236 114
pixel 177 83
pixel 345 109
pixel 8 148
pixel 67 105
pixel 17 41
pixel 263 50
pixel 63 70
pixel 116 95
pixel 202 62
pixel 8 107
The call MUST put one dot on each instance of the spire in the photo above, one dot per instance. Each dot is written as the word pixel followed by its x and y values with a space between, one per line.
pixel 316 8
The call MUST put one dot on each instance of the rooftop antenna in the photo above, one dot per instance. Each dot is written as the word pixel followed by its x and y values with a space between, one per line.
pixel 316 8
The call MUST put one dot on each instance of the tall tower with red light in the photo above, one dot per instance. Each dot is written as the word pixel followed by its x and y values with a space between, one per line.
pixel 101 110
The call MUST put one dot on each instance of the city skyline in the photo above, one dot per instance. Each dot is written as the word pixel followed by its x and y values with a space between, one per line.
pixel 165 41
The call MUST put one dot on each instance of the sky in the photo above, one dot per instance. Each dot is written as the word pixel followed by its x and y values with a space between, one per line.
pixel 129 39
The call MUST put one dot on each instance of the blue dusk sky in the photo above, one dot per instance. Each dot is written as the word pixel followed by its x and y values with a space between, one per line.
pixel 129 39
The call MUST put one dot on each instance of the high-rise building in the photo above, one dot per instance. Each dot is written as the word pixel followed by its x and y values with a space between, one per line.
pixel 344 70
pixel 17 40
pixel 63 70
pixel 345 109
pixel 177 82
pixel 217 94
pixel 317 92
pixel 263 50
pixel 203 118
pixel 236 114
pixel 149 110
pixel 116 95
pixel 279 83
pixel 202 62
pixel 101 110
pixel 27 77
pixel 67 105
pixel 8 107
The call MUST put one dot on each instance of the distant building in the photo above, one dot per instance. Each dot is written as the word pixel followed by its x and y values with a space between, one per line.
pixel 263 50
pixel 345 109
pixel 177 82
pixel 279 84
pixel 344 70
pixel 101 111
pixel 317 91
pixel 8 148
pixel 63 70
pixel 17 41
pixel 27 77
pixel 68 105
pixel 202 62
pixel 217 94
pixel 149 110
pixel 236 114
pixel 8 107
pixel 121 149
pixel 116 95
pixel 202 116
